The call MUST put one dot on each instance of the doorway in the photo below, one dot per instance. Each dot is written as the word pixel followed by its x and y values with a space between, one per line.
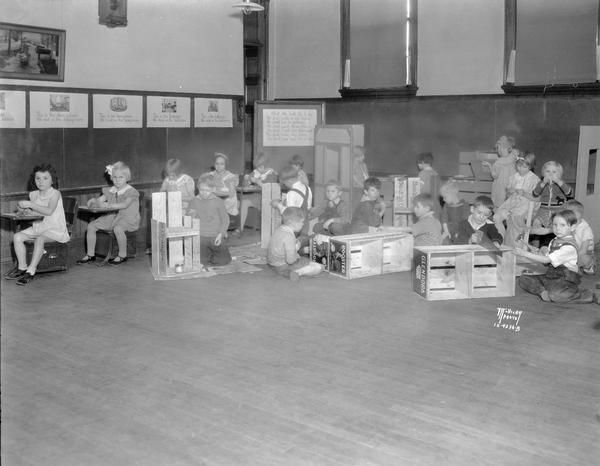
pixel 255 73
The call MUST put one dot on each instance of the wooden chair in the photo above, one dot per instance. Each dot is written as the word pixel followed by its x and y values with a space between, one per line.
pixel 56 254
pixel 106 241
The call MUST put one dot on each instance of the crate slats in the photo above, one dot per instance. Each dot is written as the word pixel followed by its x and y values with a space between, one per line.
pixel 463 271
pixel 175 239
pixel 364 255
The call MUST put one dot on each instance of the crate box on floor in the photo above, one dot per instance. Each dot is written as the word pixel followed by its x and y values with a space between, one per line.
pixel 463 271
pixel 363 255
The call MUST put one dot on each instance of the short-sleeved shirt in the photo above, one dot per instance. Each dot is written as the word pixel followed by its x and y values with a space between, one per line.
pixel 563 252
pixel 129 217
pixel 184 183
pixel 282 247
pixel 296 196
pixel 53 226
pixel 583 232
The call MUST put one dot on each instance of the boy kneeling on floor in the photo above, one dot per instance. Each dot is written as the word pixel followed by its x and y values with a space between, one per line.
pixel 282 252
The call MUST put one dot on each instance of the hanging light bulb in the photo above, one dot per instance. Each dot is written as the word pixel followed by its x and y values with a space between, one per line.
pixel 248 7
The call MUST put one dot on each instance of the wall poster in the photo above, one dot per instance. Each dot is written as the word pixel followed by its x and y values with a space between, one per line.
pixel 289 127
pixel 58 110
pixel 216 113
pixel 12 109
pixel 117 111
pixel 167 112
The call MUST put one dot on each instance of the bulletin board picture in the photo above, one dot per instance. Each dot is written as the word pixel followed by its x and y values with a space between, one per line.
pixel 286 128
pixel 30 52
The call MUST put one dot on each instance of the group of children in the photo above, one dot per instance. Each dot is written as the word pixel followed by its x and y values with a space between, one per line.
pixel 454 222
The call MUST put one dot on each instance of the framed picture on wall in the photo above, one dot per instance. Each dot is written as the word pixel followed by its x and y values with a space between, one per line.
pixel 30 52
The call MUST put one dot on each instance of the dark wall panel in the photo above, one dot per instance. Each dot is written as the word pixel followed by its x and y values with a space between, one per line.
pixel 80 155
pixel 23 149
pixel 395 132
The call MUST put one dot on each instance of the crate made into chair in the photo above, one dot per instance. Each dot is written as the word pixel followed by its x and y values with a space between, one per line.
pixel 56 255
pixel 106 241
pixel 175 239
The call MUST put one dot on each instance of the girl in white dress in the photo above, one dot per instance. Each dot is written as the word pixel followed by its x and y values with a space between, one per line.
pixel 46 201
pixel 225 183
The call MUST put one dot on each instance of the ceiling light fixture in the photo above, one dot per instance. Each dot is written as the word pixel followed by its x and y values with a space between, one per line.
pixel 248 7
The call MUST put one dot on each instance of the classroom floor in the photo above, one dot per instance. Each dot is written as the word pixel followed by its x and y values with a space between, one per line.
pixel 105 366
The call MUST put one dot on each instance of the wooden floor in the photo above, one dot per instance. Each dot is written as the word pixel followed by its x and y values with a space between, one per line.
pixel 105 366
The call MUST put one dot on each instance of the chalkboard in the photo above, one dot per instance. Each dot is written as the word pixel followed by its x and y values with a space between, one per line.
pixel 397 131
pixel 80 155
pixel 285 128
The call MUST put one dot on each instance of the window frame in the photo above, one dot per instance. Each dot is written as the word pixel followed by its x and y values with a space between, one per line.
pixel 510 42
pixel 409 90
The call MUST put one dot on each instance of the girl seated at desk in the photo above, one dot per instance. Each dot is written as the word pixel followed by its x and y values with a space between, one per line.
pixel 225 183
pixel 260 175
pixel 124 200
pixel 46 201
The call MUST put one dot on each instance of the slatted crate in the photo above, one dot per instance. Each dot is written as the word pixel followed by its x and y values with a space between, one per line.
pixel 405 190
pixel 175 239
pixel 270 216
pixel 363 255
pixel 463 271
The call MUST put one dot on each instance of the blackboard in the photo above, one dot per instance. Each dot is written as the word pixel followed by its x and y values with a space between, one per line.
pixel 397 131
pixel 282 130
pixel 80 155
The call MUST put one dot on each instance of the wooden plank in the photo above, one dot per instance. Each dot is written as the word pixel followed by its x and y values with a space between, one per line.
pixel 175 219
pixel 270 217
pixel 159 207
pixel 187 246
pixel 196 264
pixel 159 248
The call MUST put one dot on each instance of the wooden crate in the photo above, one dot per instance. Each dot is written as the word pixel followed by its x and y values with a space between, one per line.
pixel 175 239
pixel 270 216
pixel 469 189
pixel 363 255
pixel 463 271
pixel 405 190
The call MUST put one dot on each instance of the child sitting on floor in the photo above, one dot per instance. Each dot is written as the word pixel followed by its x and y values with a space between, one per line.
pixel 333 217
pixel 427 231
pixel 282 252
pixel 430 179
pixel 46 201
pixel 478 228
pixel 369 212
pixel 584 238
pixel 453 212
pixel 176 180
pixel 125 200
pixel 261 174
pixel 561 280
pixel 514 210
pixel 214 221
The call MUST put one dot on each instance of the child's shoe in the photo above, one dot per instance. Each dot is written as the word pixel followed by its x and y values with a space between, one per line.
pixel 85 259
pixel 14 273
pixel 117 260
pixel 545 296
pixel 25 279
